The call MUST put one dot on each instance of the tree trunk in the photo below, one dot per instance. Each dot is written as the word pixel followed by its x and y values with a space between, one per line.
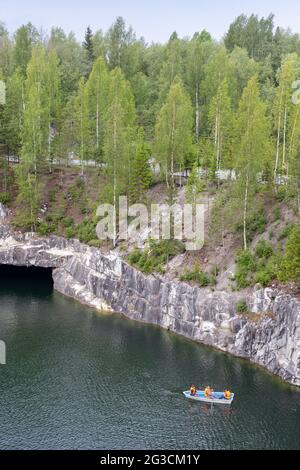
pixel 284 140
pixel 197 114
pixel 245 212
pixel 278 142
pixel 97 125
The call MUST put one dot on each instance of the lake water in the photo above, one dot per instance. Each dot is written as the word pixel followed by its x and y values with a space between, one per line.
pixel 76 379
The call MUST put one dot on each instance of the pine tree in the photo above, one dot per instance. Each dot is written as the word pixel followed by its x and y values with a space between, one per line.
pixel 141 176
pixel 88 45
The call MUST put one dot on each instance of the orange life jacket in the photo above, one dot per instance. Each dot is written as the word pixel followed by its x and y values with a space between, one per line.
pixel 227 395
pixel 207 392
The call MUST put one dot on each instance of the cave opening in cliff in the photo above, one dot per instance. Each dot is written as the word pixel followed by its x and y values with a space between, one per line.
pixel 26 278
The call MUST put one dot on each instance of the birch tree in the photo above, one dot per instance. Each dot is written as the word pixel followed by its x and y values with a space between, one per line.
pixel 173 133
pixel 97 88
pixel 252 147
pixel 221 123
pixel 284 116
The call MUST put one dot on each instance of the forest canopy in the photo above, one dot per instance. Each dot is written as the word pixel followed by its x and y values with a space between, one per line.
pixel 121 103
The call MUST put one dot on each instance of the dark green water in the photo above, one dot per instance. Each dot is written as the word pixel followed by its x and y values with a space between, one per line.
pixel 75 379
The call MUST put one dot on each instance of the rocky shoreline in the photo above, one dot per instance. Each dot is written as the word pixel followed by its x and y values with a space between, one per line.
pixel 270 337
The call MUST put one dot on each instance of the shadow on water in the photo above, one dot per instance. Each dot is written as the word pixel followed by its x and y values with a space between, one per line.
pixel 23 280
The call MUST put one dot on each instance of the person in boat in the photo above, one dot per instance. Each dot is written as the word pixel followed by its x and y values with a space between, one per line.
pixel 193 390
pixel 208 392
pixel 227 395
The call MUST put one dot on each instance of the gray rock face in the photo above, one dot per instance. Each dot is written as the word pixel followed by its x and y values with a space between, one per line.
pixel 271 339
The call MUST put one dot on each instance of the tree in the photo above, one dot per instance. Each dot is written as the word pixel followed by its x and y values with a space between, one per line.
pixel 172 66
pixel 53 102
pixel 253 34
pixel 141 176
pixel 199 51
pixel 13 113
pixel 290 266
pixel 194 186
pixel 286 116
pixel 82 123
pixel 173 133
pixel 118 138
pixel 123 49
pixel 221 123
pixel 216 70
pixel 97 88
pixel 6 52
pixel 72 64
pixel 252 147
pixel 88 46
pixel 26 38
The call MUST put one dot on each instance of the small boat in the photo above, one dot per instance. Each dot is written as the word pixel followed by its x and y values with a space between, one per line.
pixel 217 397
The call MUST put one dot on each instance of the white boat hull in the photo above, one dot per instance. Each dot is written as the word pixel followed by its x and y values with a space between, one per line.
pixel 215 399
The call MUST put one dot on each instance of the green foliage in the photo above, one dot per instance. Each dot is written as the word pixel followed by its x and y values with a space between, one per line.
pixel 141 176
pixel 68 222
pixel 246 266
pixel 263 250
pixel 242 307
pixel 86 231
pixel 173 132
pixel 44 229
pixel 290 266
pixel 277 214
pixel 198 276
pixel 5 198
pixel 256 224
pixel 264 277
pixel 286 232
pixel 156 256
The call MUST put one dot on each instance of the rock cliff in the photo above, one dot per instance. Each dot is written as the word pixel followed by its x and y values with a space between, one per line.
pixel 269 337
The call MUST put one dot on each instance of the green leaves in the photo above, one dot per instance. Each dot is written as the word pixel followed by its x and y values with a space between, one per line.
pixel 173 132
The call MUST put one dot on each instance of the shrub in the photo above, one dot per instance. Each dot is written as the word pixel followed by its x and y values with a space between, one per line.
pixel 68 222
pixel 241 306
pixel 286 232
pixel 24 221
pixel 86 231
pixel 263 277
pixel 156 256
pixel 290 266
pixel 5 198
pixel 44 229
pixel 277 214
pixel 246 266
pixel 198 276
pixel 256 224
pixel 263 250
pixel 52 195
pixel 70 232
